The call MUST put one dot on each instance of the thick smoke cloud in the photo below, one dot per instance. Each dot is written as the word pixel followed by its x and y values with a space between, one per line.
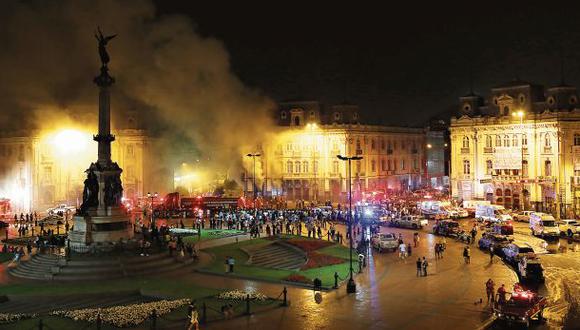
pixel 178 82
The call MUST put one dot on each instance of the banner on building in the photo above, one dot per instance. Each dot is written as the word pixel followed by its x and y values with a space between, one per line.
pixel 507 158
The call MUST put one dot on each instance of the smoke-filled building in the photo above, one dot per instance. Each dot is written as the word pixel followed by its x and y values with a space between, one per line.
pixel 300 161
pixel 39 170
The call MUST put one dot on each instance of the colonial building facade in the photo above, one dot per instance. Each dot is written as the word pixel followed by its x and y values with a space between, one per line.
pixel 300 162
pixel 35 174
pixel 520 148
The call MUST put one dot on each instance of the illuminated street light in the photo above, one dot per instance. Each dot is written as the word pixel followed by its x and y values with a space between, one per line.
pixel 521 114
pixel 429 146
pixel 151 197
pixel 350 286
pixel 253 156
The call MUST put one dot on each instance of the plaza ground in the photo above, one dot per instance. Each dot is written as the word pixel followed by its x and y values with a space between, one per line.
pixel 389 294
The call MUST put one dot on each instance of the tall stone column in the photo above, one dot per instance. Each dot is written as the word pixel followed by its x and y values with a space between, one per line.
pixel 104 137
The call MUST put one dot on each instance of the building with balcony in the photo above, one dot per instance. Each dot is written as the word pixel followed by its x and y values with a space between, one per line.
pixel 300 161
pixel 519 148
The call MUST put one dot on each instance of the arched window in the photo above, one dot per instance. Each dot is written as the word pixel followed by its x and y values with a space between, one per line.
pixel 305 167
pixel 547 140
pixel 335 166
pixel 514 140
pixel 466 167
pixel 498 141
pixel 297 165
pixel 465 142
pixel 358 144
pixel 548 168
pixel 524 140
pixel 289 167
pixel 577 139
pixel 373 145
pixel 296 121
pixel 488 167
pixel 525 168
pixel 488 141
pixel 373 165
pixel 506 141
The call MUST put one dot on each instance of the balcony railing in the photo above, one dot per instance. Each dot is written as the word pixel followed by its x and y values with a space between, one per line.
pixel 575 181
pixel 359 151
pixel 488 150
pixel 464 150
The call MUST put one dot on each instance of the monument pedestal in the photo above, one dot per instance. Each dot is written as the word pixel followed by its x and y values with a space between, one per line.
pixel 102 222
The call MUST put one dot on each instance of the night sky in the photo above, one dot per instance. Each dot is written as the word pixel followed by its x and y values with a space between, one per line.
pixel 402 65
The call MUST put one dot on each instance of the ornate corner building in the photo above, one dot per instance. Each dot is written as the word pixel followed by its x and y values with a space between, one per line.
pixel 300 162
pixel 34 176
pixel 520 148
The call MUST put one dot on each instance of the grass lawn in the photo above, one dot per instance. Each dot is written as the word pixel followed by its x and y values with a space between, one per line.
pixel 173 287
pixel 325 274
pixel 207 234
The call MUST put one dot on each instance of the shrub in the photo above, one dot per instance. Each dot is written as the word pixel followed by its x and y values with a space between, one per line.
pixel 316 260
pixel 309 245
pixel 298 278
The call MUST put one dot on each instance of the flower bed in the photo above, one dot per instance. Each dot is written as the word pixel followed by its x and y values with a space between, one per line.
pixel 316 260
pixel 298 278
pixel 309 245
pixel 123 316
pixel 241 295
pixel 9 318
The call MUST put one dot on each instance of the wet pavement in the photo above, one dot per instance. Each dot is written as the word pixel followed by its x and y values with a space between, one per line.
pixel 389 295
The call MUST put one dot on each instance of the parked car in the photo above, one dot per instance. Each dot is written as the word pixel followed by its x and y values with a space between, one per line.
pixel 60 210
pixel 544 225
pixel 496 240
pixel 569 227
pixel 446 228
pixel 409 221
pixel 384 241
pixel 522 216
pixel 534 272
pixel 514 251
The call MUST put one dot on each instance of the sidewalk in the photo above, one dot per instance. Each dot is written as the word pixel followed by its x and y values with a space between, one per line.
pixel 389 295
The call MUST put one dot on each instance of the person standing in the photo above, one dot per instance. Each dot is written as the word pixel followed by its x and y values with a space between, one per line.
pixel 491 253
pixel 402 250
pixel 194 319
pixel 490 289
pixel 416 239
pixel 419 267
pixel 424 264
pixel 501 295
pixel 466 254
pixel 409 250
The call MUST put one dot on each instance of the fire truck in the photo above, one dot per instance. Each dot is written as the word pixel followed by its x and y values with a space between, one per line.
pixel 173 205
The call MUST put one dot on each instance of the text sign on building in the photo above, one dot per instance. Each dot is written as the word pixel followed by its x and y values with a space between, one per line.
pixel 507 158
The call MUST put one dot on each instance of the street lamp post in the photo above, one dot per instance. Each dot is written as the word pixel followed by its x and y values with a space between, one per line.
pixel 151 197
pixel 520 114
pixel 253 156
pixel 350 286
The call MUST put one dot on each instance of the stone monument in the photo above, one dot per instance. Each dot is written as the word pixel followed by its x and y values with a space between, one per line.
pixel 101 221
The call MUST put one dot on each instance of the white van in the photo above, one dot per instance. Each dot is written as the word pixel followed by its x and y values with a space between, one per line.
pixel 495 213
pixel 544 225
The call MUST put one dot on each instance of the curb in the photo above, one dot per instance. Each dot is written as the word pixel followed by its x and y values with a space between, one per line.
pixel 243 277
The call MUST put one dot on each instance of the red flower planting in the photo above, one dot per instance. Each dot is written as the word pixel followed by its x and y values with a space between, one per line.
pixel 298 278
pixel 316 260
pixel 308 245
